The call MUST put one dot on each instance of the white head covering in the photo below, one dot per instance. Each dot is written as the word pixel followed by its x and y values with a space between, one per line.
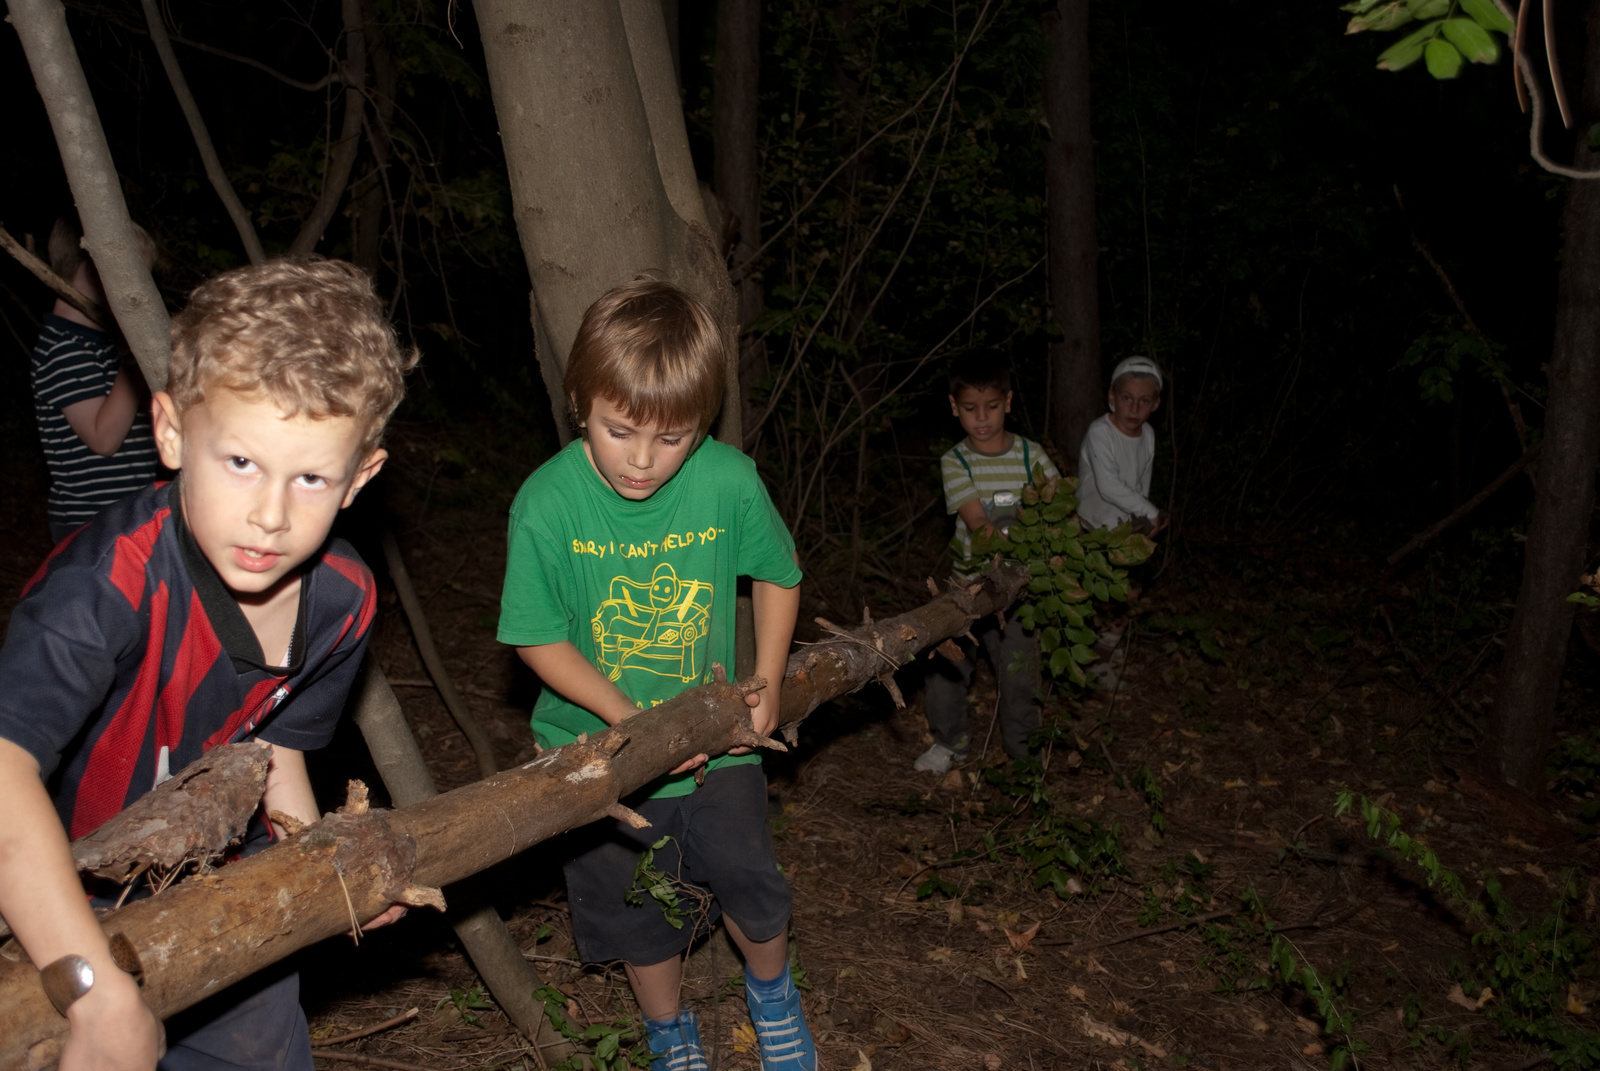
pixel 1142 366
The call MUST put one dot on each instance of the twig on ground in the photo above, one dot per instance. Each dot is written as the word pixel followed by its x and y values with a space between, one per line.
pixel 370 1061
pixel 1148 931
pixel 353 1035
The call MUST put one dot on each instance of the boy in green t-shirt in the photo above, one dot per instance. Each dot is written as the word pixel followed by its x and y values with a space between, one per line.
pixel 624 552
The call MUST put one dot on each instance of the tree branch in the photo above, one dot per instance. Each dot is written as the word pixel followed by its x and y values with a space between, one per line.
pixel 202 138
pixel 349 143
pixel 92 175
pixel 64 290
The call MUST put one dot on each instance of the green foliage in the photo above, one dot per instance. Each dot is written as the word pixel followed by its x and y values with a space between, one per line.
pixel 661 887
pixel 1530 966
pixel 613 1046
pixel 1444 42
pixel 1057 848
pixel 1440 354
pixel 466 1002
pixel 1066 568
pixel 1324 989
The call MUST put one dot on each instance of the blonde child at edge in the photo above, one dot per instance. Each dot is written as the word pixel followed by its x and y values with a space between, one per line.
pixel 624 552
pixel 208 610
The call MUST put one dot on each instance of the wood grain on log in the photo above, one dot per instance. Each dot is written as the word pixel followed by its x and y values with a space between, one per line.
pixel 202 935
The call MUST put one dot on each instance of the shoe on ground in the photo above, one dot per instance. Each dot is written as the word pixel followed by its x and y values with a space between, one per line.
pixel 676 1045
pixel 938 759
pixel 781 1031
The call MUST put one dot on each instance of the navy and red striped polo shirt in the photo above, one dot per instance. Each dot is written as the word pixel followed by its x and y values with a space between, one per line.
pixel 128 658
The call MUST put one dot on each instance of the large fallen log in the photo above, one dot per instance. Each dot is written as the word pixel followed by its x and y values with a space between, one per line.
pixel 200 936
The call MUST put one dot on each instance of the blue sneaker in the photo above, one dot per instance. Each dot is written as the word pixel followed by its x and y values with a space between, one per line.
pixel 677 1043
pixel 780 1026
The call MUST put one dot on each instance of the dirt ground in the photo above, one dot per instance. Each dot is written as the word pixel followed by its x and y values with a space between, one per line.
pixel 1308 695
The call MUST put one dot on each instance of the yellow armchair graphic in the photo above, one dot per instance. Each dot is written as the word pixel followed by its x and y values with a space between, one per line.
pixel 657 627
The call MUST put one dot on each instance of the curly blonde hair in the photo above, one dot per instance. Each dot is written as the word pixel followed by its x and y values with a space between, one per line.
pixel 651 349
pixel 310 333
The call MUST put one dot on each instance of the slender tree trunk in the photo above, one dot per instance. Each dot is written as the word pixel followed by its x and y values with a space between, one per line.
pixel 735 96
pixel 1076 395
pixel 367 243
pixel 107 231
pixel 1521 722
pixel 343 159
pixel 601 179
pixel 202 137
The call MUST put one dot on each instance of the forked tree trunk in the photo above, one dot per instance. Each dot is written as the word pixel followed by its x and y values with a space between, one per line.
pixel 1076 394
pixel 203 935
pixel 1521 723
pixel 601 179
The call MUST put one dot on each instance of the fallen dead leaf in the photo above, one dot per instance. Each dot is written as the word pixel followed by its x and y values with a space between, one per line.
pixel 1575 1003
pixel 984 927
pixel 744 1038
pixel 953 911
pixel 1306 1026
pixel 1022 974
pixel 952 781
pixel 937 955
pixel 1460 999
pixel 1267 782
pixel 1020 942
pixel 1170 966
pixel 864 1064
pixel 1313 1049
pixel 992 1061
pixel 1093 1028
pixel 1258 1024
pixel 1076 992
pixel 1233 784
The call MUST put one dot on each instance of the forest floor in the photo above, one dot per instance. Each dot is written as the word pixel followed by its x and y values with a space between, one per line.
pixel 1258 684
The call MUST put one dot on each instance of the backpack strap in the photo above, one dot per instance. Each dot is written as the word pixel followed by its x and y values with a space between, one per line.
pixel 1025 466
pixel 956 450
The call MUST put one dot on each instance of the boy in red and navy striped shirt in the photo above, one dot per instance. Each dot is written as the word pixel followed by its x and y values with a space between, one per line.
pixel 204 611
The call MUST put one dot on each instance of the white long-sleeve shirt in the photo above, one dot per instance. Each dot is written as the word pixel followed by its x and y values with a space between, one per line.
pixel 1114 474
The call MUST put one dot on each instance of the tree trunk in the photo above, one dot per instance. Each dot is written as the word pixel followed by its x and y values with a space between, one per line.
pixel 373 190
pixel 1076 394
pixel 1522 720
pixel 202 935
pixel 601 178
pixel 202 137
pixel 107 230
pixel 735 97
pixel 342 158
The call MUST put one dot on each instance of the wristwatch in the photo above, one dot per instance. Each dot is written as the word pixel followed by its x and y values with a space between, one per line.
pixel 67 979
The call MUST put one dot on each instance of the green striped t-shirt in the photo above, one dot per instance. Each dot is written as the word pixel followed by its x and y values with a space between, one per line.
pixel 970 475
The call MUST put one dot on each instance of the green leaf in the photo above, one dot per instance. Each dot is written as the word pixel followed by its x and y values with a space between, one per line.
pixel 1428 9
pixel 1060 658
pixel 1472 40
pixel 1594 138
pixel 1082 655
pixel 1444 61
pixel 1388 17
pixel 1406 51
pixel 1488 16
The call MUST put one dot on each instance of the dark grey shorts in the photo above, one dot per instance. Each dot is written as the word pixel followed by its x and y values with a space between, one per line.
pixel 720 845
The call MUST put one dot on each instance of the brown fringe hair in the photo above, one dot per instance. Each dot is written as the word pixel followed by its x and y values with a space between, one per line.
pixel 653 351
pixel 309 333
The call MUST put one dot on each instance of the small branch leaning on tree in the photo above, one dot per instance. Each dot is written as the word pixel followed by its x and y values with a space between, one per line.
pixel 64 290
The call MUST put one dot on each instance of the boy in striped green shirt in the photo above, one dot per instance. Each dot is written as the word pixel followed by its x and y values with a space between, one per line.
pixel 983 479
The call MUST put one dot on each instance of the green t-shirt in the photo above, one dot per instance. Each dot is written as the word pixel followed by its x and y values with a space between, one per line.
pixel 644 589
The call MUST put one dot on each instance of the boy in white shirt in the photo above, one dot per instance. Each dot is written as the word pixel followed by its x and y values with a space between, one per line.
pixel 1118 451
